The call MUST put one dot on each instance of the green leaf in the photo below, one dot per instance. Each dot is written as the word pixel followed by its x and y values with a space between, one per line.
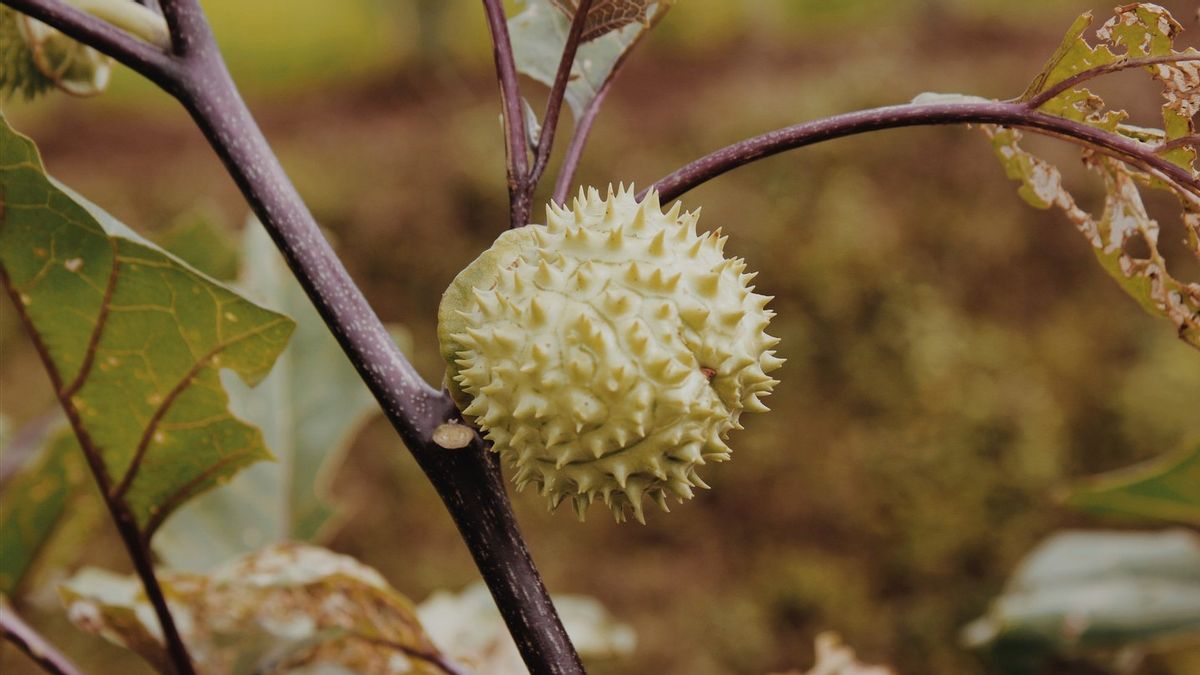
pixel 199 239
pixel 309 408
pixel 539 34
pixel 1166 489
pixel 133 339
pixel 35 501
pixel 1079 592
pixel 288 608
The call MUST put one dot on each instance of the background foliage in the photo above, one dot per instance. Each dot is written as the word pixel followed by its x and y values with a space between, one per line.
pixel 955 358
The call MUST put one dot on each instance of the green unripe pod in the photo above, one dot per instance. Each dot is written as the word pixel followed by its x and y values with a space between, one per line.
pixel 608 353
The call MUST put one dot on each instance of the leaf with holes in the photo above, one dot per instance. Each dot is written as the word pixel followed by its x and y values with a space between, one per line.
pixel 1117 231
pixel 1139 36
pixel 133 339
pixel 1166 489
pixel 289 608
pixel 1124 238
pixel 309 409
pixel 539 33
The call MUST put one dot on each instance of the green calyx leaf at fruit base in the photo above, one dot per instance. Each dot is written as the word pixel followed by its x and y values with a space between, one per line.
pixel 481 273
pixel 134 340
pixel 1082 592
pixel 539 32
pixel 289 608
pixel 1166 489
pixel 310 407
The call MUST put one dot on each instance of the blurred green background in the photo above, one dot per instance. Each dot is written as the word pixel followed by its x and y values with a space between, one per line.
pixel 954 357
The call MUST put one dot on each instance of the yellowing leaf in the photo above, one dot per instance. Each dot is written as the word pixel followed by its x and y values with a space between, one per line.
pixel 287 608
pixel 1166 489
pixel 1113 236
pixel 1139 35
pixel 134 340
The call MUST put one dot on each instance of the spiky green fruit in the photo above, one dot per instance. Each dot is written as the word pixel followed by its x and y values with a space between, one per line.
pixel 608 353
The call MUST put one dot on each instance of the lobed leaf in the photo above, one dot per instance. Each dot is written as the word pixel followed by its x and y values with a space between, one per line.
pixel 133 339
pixel 288 608
pixel 1166 489
pixel 309 408
pixel 539 33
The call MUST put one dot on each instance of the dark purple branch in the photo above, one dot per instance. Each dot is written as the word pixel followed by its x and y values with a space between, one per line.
pixel 991 112
pixel 555 103
pixel 143 57
pixel 32 644
pixel 516 150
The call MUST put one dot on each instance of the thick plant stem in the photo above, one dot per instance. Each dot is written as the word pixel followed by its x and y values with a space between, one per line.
pixel 468 480
pixel 14 630
pixel 469 484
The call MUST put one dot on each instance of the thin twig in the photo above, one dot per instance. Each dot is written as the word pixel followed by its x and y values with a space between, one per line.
pixel 1042 97
pixel 434 658
pixel 1181 142
pixel 583 126
pixel 555 103
pixel 991 112
pixel 516 150
pixel 26 638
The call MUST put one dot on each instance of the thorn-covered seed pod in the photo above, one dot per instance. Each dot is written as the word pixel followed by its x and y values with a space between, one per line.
pixel 608 353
